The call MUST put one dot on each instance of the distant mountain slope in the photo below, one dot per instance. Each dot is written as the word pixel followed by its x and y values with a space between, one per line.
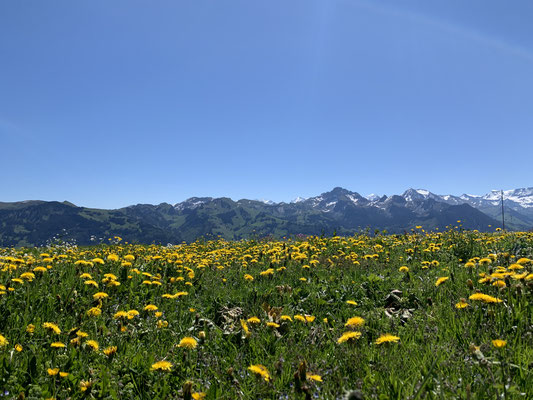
pixel 518 204
pixel 341 211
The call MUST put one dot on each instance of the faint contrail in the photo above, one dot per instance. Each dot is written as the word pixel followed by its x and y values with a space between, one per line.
pixel 468 33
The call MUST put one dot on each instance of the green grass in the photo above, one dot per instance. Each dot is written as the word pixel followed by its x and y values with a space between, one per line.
pixel 435 358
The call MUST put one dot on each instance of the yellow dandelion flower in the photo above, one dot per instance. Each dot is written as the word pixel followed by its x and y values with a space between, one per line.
pixel 484 298
pixel 18 347
pixel 253 320
pixel 109 351
pixel 120 314
pixel 162 324
pixel 348 336
pixel 272 325
pixel 387 339
pixel 52 327
pixel 150 307
pixel 245 328
pixel 260 370
pixel 57 345
pixel 355 322
pixel 462 304
pixel 441 280
pixel 404 269
pixel 499 284
pixel 53 371
pixel 94 312
pixel 93 344
pixel 498 343
pixel 285 318
pixel 3 341
pixel 351 302
pixel 248 277
pixel 30 328
pixel 85 385
pixel 188 342
pixel 100 295
pixel 314 377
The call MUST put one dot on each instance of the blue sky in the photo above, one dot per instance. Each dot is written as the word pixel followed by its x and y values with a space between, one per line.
pixel 110 103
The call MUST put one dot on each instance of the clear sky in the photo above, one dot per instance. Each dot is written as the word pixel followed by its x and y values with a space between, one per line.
pixel 111 103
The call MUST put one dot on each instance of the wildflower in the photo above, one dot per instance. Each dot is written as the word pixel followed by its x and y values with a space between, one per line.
pixel 161 324
pixel 314 377
pixel 93 344
pixel 109 351
pixel 100 295
pixel 485 298
pixel 112 257
pixel 52 327
pixel 355 322
pixel 94 312
pixel 63 374
pixel 120 314
pixel 150 307
pixel 18 347
pixel 85 385
pixel 91 282
pixel 272 325
pixel 248 277
pixel 253 320
pixel 132 313
pixel 245 328
pixel 53 371
pixel 81 334
pixel 3 341
pixel 441 280
pixel 404 269
pixel 348 336
pixel 500 284
pixel 387 338
pixel 260 370
pixel 352 302
pixel 85 275
pixel 198 395
pixel 29 276
pixel 498 343
pixel 39 269
pixel 462 304
pixel 162 366
pixel 57 345
pixel 269 271
pixel 285 318
pixel 188 342
pixel 30 328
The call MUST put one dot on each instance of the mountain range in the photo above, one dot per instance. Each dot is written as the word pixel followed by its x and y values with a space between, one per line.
pixel 340 211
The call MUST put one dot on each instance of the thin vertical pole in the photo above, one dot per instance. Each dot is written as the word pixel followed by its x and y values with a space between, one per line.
pixel 503 215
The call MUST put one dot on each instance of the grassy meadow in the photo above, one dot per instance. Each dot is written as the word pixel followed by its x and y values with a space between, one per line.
pixel 417 316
